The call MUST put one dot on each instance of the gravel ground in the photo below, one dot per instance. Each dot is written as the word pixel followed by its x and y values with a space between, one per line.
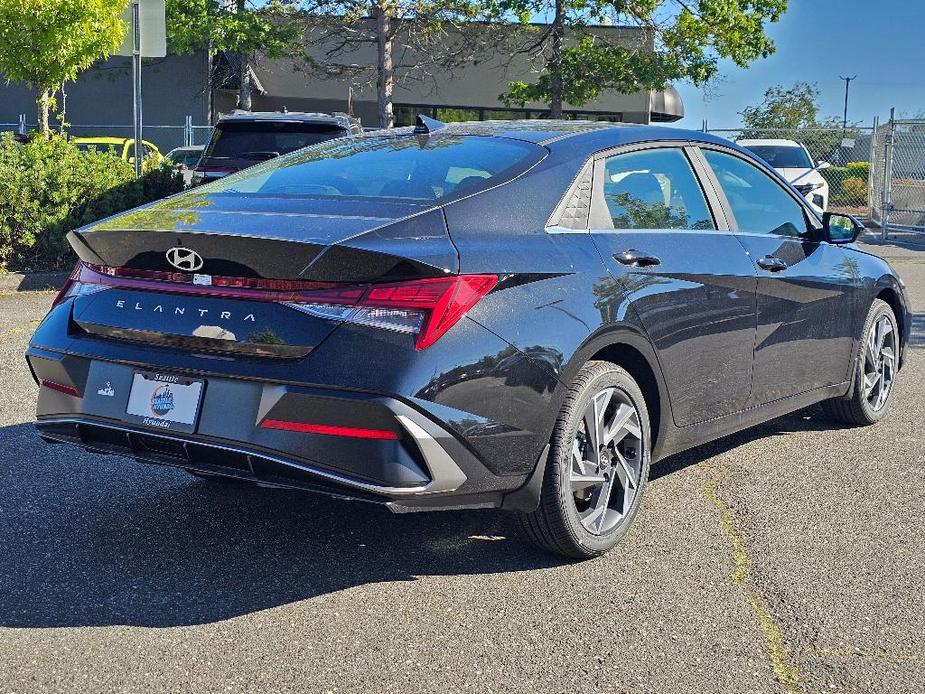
pixel 783 559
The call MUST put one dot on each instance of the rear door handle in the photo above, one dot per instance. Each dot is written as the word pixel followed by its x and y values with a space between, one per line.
pixel 772 263
pixel 633 257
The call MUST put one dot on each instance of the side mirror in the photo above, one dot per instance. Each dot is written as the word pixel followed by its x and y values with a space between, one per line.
pixel 823 165
pixel 841 228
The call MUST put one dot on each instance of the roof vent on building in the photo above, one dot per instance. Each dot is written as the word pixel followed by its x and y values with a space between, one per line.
pixel 426 126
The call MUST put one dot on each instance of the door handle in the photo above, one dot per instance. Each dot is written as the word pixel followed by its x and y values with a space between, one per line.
pixel 633 257
pixel 771 263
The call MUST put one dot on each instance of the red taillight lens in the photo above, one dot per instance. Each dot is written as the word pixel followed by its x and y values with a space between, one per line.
pixel 63 293
pixel 61 388
pixel 329 430
pixel 443 301
pixel 428 307
pixel 88 277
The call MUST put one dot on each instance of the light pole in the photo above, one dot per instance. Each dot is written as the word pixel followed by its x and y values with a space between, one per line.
pixel 844 125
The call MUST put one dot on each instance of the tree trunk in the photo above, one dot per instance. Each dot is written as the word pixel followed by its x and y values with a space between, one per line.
pixel 384 66
pixel 244 71
pixel 245 88
pixel 43 107
pixel 555 62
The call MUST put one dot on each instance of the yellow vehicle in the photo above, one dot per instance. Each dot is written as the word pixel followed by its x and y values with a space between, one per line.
pixel 122 147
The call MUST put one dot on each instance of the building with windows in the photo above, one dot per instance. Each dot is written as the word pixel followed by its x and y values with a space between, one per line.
pixel 181 86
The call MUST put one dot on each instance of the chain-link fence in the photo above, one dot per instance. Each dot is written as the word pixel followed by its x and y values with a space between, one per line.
pixel 830 166
pixel 898 176
pixel 165 137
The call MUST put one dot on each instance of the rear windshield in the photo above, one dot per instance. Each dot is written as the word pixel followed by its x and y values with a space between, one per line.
pixel 407 167
pixel 264 139
pixel 189 157
pixel 782 156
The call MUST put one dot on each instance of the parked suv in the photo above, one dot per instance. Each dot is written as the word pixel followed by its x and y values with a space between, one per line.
pixel 247 137
pixel 793 161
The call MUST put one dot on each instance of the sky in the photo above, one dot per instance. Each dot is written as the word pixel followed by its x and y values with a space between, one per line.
pixel 880 41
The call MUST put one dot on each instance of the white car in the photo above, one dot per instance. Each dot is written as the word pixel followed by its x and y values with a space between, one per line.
pixel 793 161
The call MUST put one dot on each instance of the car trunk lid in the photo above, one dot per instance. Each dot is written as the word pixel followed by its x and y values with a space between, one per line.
pixel 219 273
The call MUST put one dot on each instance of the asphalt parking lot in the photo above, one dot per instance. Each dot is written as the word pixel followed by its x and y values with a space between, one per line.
pixel 787 558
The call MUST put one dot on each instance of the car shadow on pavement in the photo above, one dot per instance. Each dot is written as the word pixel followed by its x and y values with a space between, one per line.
pixel 917 334
pixel 90 540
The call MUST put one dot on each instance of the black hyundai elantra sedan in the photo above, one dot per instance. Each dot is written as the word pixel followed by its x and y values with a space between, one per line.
pixel 519 315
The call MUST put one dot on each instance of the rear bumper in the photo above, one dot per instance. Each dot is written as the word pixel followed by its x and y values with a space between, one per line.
pixel 420 466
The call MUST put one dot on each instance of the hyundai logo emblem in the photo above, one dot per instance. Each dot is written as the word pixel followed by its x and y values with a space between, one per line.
pixel 184 259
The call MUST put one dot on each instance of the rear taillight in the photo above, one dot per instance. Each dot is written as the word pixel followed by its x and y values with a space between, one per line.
pixel 73 286
pixel 426 307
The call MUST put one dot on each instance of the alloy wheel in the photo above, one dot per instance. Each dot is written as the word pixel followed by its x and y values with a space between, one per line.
pixel 879 362
pixel 606 461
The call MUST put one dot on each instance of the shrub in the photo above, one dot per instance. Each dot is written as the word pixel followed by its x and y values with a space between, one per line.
pixel 49 187
pixel 858 169
pixel 848 183
pixel 854 191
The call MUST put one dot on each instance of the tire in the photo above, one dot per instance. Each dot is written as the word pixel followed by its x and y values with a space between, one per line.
pixel 867 405
pixel 569 521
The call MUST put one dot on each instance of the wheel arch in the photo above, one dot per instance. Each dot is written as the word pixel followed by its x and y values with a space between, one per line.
pixel 631 350
pixel 885 290
pixel 891 296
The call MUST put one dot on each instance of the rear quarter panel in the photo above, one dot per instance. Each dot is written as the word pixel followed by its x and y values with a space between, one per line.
pixel 558 304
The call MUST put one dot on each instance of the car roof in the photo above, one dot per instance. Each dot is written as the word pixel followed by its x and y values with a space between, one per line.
pixel 769 142
pixel 580 137
pixel 101 140
pixel 105 140
pixel 287 116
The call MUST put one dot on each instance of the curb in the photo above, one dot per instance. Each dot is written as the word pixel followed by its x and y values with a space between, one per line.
pixel 32 281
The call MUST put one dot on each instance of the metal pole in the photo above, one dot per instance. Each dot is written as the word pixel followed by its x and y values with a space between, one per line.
pixel 188 132
pixel 136 82
pixel 872 173
pixel 888 176
pixel 844 125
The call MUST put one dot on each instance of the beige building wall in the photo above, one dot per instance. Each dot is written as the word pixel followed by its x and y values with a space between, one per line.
pixel 473 86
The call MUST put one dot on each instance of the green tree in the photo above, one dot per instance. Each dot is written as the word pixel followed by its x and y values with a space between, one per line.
pixel 676 40
pixel 240 27
pixel 791 108
pixel 793 114
pixel 412 38
pixel 45 43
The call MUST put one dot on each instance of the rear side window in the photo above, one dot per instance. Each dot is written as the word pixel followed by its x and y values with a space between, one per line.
pixel 405 167
pixel 264 139
pixel 654 189
pixel 759 203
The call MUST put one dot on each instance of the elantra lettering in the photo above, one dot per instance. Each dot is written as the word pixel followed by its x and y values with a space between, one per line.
pixel 180 310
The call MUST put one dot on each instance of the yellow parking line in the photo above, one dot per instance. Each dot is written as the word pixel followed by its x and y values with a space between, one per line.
pixel 785 671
